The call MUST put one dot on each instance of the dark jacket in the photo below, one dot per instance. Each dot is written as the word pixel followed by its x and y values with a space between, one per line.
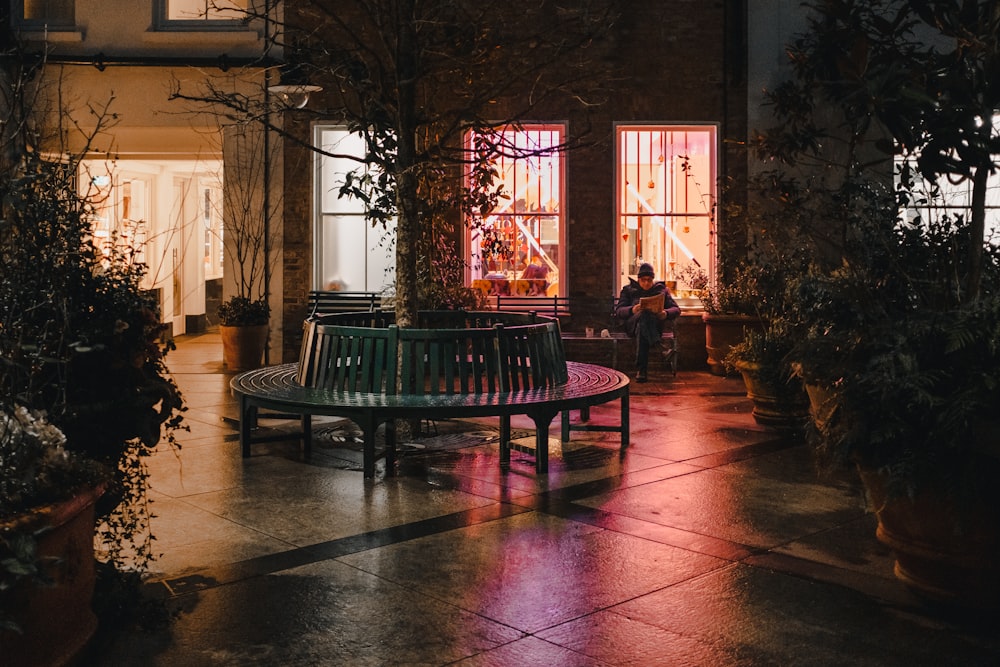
pixel 630 296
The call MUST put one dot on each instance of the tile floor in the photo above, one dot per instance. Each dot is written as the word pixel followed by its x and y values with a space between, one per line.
pixel 710 541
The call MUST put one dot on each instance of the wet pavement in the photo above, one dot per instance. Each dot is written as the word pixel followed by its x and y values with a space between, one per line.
pixel 709 541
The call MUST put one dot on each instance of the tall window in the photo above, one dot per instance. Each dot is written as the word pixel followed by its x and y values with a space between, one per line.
pixel 517 247
pixel 666 200
pixel 210 204
pixel 44 13
pixel 349 254
pixel 201 14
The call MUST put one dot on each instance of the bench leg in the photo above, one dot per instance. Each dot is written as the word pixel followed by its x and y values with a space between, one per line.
pixel 368 426
pixel 248 419
pixel 542 421
pixel 390 448
pixel 505 441
pixel 584 418
pixel 625 420
pixel 307 440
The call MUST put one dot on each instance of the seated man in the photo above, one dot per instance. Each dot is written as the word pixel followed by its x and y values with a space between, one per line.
pixel 644 325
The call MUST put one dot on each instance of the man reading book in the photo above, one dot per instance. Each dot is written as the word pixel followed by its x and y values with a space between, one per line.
pixel 644 305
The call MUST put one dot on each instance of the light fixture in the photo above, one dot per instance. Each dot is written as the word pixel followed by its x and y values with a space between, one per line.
pixel 293 87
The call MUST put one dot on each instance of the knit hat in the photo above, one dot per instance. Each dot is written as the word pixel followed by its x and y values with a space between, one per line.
pixel 646 269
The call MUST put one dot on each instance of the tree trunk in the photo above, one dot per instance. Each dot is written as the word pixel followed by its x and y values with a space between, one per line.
pixel 408 222
pixel 977 230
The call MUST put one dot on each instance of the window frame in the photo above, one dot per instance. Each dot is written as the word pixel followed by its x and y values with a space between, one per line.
pixel 702 203
pixel 60 24
pixel 161 22
pixel 476 268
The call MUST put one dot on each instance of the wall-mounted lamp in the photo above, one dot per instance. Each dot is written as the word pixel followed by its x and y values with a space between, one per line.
pixel 293 88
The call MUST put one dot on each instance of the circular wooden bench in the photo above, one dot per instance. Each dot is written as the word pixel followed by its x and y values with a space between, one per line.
pixel 375 374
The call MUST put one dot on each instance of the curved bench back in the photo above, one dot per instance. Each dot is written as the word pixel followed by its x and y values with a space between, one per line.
pixel 435 319
pixel 430 361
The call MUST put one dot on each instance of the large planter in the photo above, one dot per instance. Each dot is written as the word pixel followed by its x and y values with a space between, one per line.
pixel 56 619
pixel 946 550
pixel 722 332
pixel 780 404
pixel 822 404
pixel 243 346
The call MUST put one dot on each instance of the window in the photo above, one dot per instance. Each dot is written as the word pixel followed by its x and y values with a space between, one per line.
pixel 210 201
pixel 666 200
pixel 120 210
pixel 956 196
pixel 349 254
pixel 517 247
pixel 202 14
pixel 45 13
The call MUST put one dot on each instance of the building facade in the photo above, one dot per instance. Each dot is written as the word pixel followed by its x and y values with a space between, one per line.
pixel 654 187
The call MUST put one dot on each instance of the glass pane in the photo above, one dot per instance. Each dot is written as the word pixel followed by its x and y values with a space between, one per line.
pixel 194 10
pixel 666 185
pixel 516 248
pixel 334 169
pixel 53 12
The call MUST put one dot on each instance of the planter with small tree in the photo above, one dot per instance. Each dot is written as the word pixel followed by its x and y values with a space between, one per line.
pixel 898 321
pixel 85 395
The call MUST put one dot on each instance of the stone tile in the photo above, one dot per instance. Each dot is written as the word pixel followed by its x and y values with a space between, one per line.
pixel 761 617
pixel 532 571
pixel 320 614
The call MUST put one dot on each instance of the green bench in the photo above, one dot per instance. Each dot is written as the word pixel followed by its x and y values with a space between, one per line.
pixel 496 364
pixel 324 302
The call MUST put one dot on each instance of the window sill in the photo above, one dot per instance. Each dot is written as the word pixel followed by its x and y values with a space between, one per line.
pixel 67 35
pixel 215 37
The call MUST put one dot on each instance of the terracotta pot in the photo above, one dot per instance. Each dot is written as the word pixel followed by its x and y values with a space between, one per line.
pixel 56 620
pixel 822 404
pixel 243 346
pixel 722 332
pixel 945 550
pixel 783 405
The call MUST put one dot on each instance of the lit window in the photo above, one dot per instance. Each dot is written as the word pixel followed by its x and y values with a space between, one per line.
pixel 666 200
pixel 955 196
pixel 45 13
pixel 202 14
pixel 349 253
pixel 516 248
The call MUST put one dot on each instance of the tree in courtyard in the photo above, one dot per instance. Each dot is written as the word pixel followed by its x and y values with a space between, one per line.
pixel 909 78
pixel 414 79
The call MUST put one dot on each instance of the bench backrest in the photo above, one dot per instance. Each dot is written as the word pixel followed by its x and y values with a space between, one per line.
pixel 353 359
pixel 323 302
pixel 431 361
pixel 547 305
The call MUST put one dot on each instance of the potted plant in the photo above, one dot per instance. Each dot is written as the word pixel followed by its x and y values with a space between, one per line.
pixel 730 311
pixel 84 390
pixel 763 359
pixel 47 573
pixel 899 317
pixel 243 326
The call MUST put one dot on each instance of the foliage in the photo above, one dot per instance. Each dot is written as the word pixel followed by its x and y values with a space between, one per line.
pixel 35 466
pixel 899 314
pixel 80 339
pixel 240 311
pixel 916 371
pixel 736 296
pixel 695 277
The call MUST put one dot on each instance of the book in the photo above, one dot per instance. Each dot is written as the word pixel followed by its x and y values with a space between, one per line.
pixel 651 303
